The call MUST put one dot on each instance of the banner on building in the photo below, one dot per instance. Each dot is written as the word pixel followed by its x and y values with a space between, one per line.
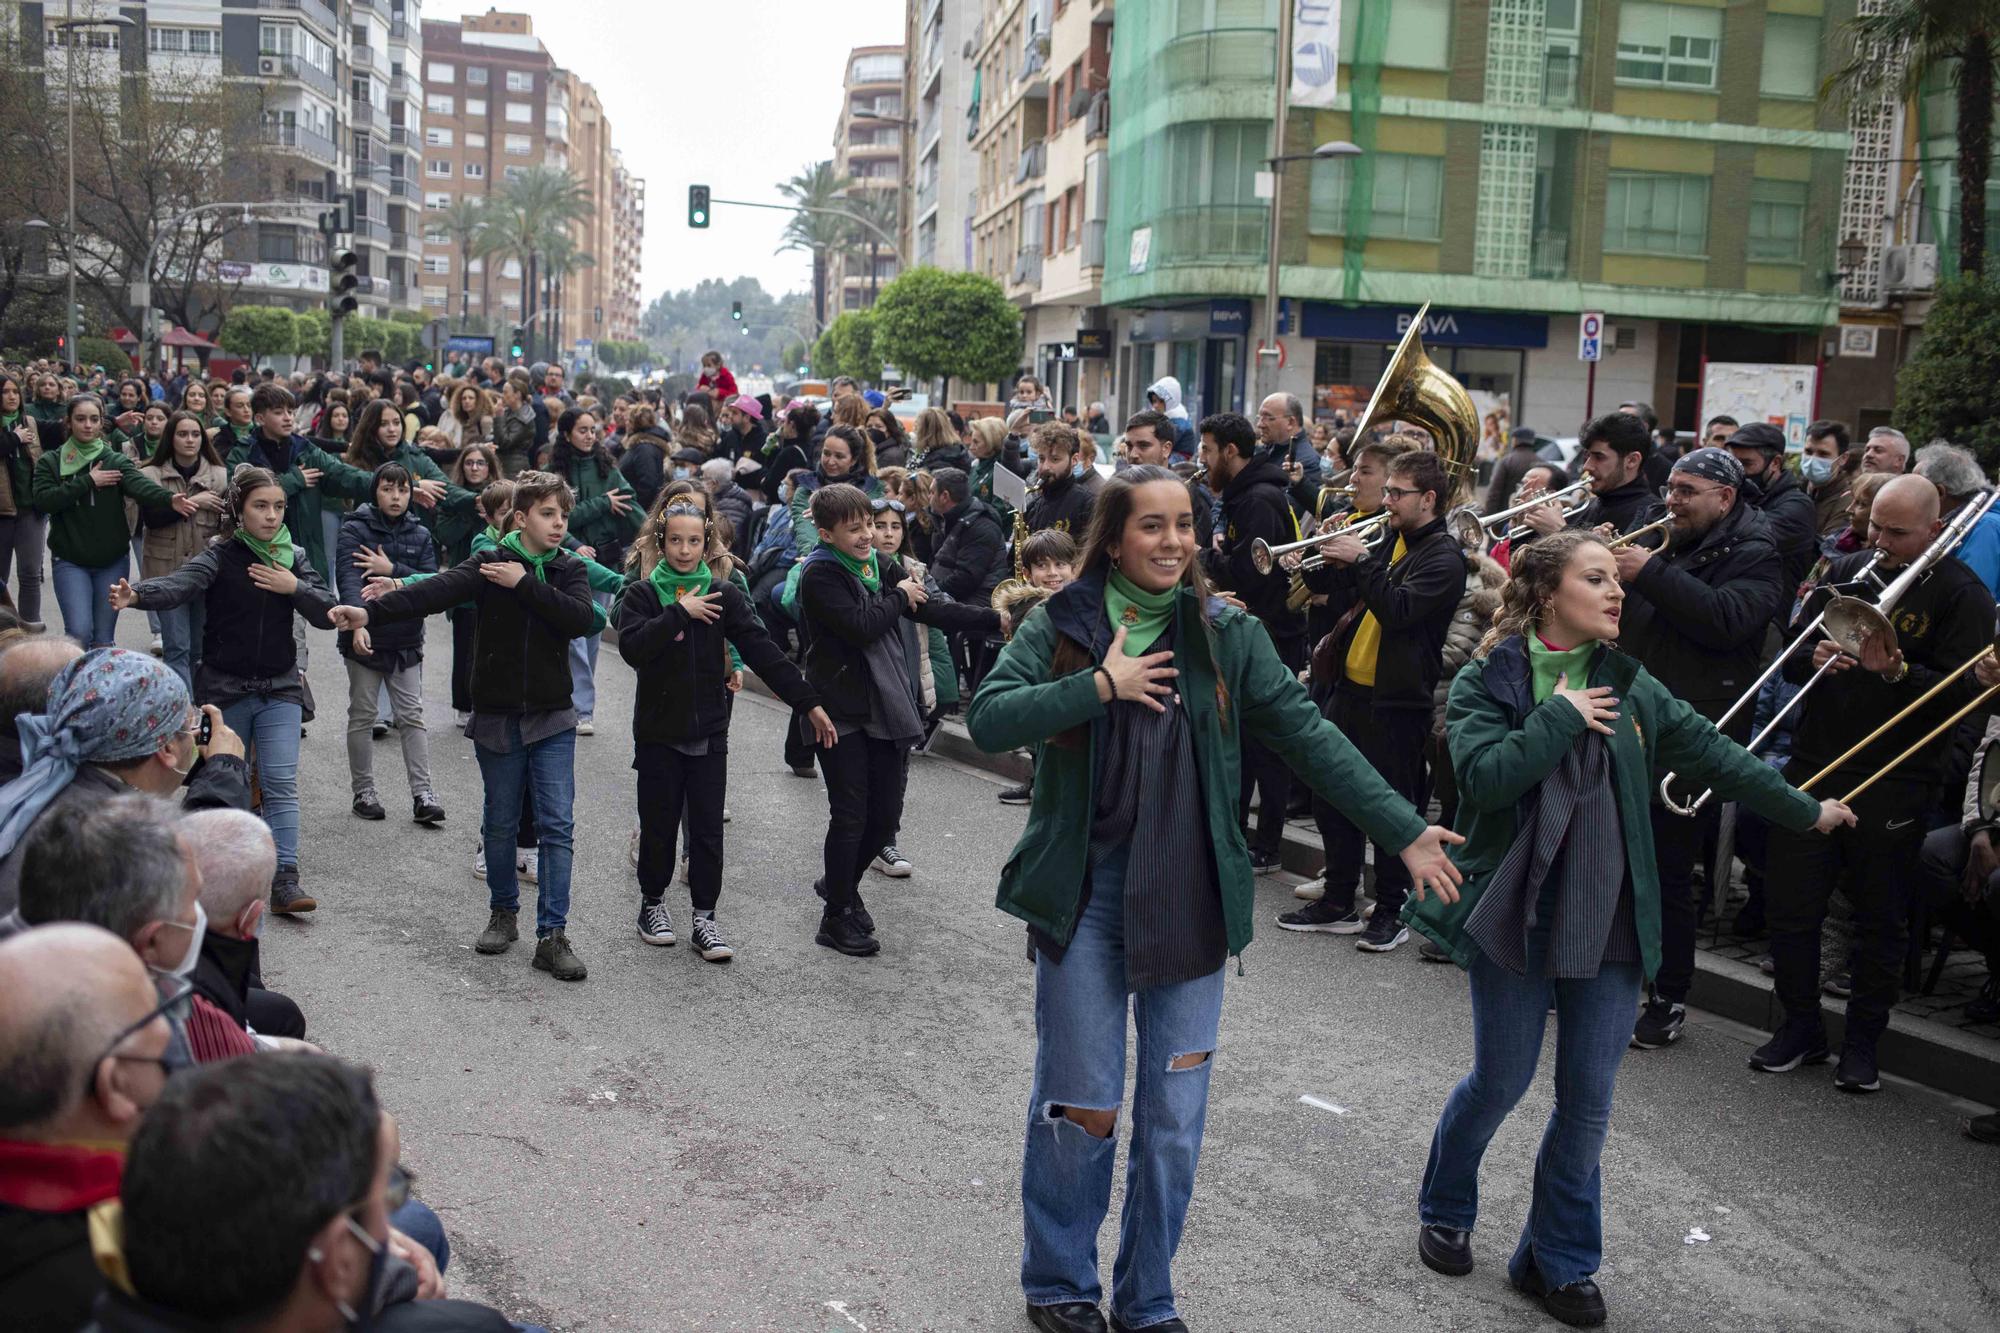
pixel 1315 52
pixel 1783 395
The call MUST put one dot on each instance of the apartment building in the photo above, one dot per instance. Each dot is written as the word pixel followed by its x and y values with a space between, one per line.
pixel 937 229
pixel 1668 165
pixel 495 104
pixel 1007 119
pixel 868 149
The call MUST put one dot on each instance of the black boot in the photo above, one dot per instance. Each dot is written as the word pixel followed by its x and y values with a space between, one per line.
pixel 1445 1250
pixel 1068 1317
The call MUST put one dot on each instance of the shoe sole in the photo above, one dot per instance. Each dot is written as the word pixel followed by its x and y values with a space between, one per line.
pixel 1322 927
pixel 490 951
pixel 1857 1088
pixel 1370 946
pixel 873 947
pixel 296 907
pixel 1311 891
pixel 1539 1295
pixel 1017 800
pixel 666 941
pixel 378 814
pixel 1439 1264
pixel 721 955
pixel 1638 1044
pixel 1809 1058
pixel 542 966
pixel 892 871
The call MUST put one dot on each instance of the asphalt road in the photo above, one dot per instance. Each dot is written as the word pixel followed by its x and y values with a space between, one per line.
pixel 803 1141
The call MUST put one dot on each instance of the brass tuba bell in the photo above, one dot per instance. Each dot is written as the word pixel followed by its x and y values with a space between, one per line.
pixel 1414 389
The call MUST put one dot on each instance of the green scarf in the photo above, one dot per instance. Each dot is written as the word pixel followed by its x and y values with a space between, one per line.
pixel 869 571
pixel 670 583
pixel 538 563
pixel 1141 614
pixel 7 419
pixel 76 457
pixel 1547 663
pixel 277 553
pixel 493 534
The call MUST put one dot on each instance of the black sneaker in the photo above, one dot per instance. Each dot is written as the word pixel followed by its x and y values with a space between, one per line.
pixel 1432 952
pixel 1840 986
pixel 1265 863
pixel 804 771
pixel 1798 1042
pixel 1659 1025
pixel 706 938
pixel 1857 1071
pixel 1020 795
pixel 425 810
pixel 381 730
pixel 655 926
pixel 1986 1008
pixel 892 863
pixel 1385 931
pixel 841 931
pixel 500 932
pixel 1323 917
pixel 287 898
pixel 1580 1304
pixel 369 806
pixel 554 956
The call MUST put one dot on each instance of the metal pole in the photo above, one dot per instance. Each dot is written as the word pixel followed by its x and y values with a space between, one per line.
pixel 69 112
pixel 1267 359
pixel 336 342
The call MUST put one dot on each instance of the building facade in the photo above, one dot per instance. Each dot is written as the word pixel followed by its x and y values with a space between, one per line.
pixel 1007 121
pixel 938 230
pixel 868 151
pixel 1521 162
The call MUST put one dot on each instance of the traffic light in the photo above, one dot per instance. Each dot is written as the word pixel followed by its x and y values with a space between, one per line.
pixel 341 282
pixel 517 341
pixel 736 311
pixel 62 342
pixel 697 205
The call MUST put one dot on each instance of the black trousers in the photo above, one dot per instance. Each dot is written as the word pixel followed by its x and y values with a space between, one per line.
pixel 1942 866
pixel 1263 771
pixel 1880 858
pixel 1393 741
pixel 1677 844
pixel 272 1013
pixel 864 797
pixel 673 785
pixel 464 624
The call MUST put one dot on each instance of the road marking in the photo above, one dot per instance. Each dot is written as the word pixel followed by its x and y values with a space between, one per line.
pixel 1323 1105
pixel 840 1308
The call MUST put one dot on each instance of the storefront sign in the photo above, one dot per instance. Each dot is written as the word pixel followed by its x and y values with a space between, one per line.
pixel 1228 318
pixel 282 277
pixel 1442 328
pixel 1093 344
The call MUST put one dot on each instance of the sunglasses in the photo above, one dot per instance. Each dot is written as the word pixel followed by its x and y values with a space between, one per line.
pixel 879 505
pixel 179 998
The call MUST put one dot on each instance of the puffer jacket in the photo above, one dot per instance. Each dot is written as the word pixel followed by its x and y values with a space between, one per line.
pixel 172 541
pixel 1483 581
pixel 411 551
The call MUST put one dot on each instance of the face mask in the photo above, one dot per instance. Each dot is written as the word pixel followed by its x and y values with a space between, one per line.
pixel 1076 470
pixel 373 1296
pixel 1816 471
pixel 195 935
pixel 682 473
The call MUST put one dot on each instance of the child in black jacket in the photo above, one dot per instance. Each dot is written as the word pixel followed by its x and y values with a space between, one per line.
pixel 533 599
pixel 851 604
pixel 675 625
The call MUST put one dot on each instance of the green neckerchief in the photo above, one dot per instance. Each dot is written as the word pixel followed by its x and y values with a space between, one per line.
pixel 868 571
pixel 276 553
pixel 76 457
pixel 7 419
pixel 1141 614
pixel 538 563
pixel 1547 663
pixel 670 583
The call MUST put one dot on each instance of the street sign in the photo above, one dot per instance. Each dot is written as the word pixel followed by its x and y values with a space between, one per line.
pixel 1590 336
pixel 1065 351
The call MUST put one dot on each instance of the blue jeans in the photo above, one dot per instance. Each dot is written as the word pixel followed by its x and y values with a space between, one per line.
pixel 583 667
pixel 180 637
pixel 416 1220
pixel 549 767
pixel 272 726
pixel 1080 1007
pixel 84 597
pixel 1564 1233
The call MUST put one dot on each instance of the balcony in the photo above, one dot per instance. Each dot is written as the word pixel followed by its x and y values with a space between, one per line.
pixel 379 6
pixel 1559 70
pixel 402 240
pixel 363 56
pixel 1207 234
pixel 1093 243
pixel 402 136
pixel 363 115
pixel 1028 265
pixel 1034 76
pixel 401 187
pixel 1034 160
pixel 369 229
pixel 399 31
pixel 1097 120
pixel 927 196
pixel 402 85
pixel 1550 255
pixel 1222 55
pixel 311 144
pixel 317 10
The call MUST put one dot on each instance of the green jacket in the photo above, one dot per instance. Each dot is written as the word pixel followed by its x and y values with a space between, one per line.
pixel 458 502
pixel 303 503
pixel 592 521
pixel 87 523
pixel 1019 705
pixel 1503 744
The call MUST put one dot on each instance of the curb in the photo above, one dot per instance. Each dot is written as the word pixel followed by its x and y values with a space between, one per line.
pixel 1934 1054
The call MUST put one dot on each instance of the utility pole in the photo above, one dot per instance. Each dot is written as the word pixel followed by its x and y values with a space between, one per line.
pixel 1267 351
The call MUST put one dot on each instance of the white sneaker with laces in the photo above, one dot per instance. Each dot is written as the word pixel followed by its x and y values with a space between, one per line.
pixel 479 861
pixel 892 863
pixel 1312 890
pixel 655 926
pixel 707 940
pixel 528 864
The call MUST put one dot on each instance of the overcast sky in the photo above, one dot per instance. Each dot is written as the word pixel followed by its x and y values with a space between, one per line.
pixel 734 94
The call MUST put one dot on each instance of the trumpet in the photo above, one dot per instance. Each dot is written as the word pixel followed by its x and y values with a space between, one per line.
pixel 1266 556
pixel 1475 531
pixel 1657 525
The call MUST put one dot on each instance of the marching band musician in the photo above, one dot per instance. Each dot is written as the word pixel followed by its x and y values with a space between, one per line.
pixel 1383 667
pixel 1149 442
pixel 1942 621
pixel 1332 511
pixel 1696 613
pixel 1615 449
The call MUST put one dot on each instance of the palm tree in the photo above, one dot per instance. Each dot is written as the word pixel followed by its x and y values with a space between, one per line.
pixel 529 212
pixel 465 221
pixel 560 258
pixel 818 186
pixel 1952 38
pixel 881 207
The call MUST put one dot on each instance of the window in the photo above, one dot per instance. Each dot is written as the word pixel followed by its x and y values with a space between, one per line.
pixel 1791 56
pixel 436 237
pixel 475 140
pixel 477 265
pixel 437 71
pixel 436 137
pixel 475 171
pixel 475 106
pixel 517 145
pixel 520 113
pixel 437 263
pixel 1419 30
pixel 520 81
pixel 1777 222
pixel 1655 214
pixel 513 173
pixel 438 166
pixel 437 199
pixel 511 269
pixel 184 41
pixel 1408 197
pixel 439 104
pixel 476 75
pixel 276 39
pixel 434 296
pixel 1670 46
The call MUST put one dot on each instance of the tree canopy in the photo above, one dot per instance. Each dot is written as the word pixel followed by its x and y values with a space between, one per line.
pixel 930 323
pixel 1950 387
pixel 258 332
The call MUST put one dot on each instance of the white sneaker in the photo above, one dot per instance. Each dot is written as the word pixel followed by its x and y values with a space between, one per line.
pixel 892 863
pixel 586 727
pixel 159 646
pixel 1312 890
pixel 655 926
pixel 528 864
pixel 725 814
pixel 479 861
pixel 464 720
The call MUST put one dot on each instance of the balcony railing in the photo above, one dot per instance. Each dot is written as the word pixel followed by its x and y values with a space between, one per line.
pixel 1550 256
pixel 363 116
pixel 403 135
pixel 1209 233
pixel 316 10
pixel 1222 55
pixel 399 31
pixel 1034 159
pixel 1028 264
pixel 1559 70
pixel 312 144
pixel 364 56
pixel 368 229
pixel 402 85
pixel 927 196
pixel 401 187
pixel 1097 121
pixel 1093 243
pixel 401 240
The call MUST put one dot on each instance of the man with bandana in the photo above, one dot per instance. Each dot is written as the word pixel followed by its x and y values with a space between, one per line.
pixel 1696 611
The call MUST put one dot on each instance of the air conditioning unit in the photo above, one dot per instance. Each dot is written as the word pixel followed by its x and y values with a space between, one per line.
pixel 1909 269
pixel 270 66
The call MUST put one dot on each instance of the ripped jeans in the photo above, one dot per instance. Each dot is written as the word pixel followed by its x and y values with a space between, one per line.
pixel 1080 1007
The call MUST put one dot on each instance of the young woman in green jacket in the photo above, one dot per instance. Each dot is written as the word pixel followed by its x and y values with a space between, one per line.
pixel 24 530
pixel 82 487
pixel 1135 881
pixel 1555 737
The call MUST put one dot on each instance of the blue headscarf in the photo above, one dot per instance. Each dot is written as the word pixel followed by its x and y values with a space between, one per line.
pixel 108 706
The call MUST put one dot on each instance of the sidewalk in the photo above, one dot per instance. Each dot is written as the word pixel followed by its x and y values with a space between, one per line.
pixel 1929 1040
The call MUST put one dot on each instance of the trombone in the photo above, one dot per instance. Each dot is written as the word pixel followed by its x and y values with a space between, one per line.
pixel 1474 532
pixel 1907 710
pixel 1370 530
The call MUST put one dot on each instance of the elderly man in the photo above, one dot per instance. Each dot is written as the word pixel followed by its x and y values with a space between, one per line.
pixel 731 501
pixel 1281 430
pixel 83 1039
pixel 1959 479
pixel 26 670
pixel 1887 452
pixel 235 857
pixel 116 721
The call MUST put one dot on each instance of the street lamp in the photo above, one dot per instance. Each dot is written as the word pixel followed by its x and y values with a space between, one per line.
pixel 1330 151
pixel 69 26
